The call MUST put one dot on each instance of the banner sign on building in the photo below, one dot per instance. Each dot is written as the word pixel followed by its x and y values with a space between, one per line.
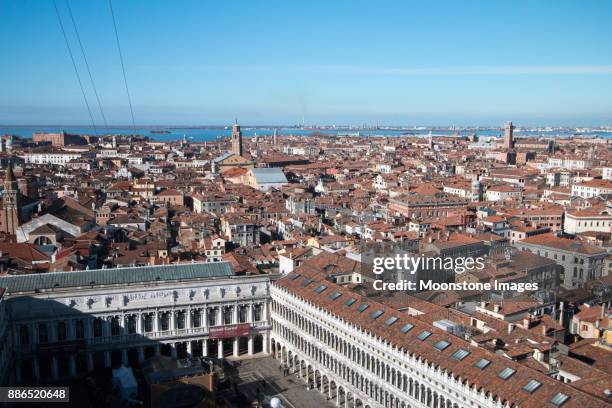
pixel 224 332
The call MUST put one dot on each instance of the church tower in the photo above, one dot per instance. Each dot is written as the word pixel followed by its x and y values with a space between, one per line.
pixel 508 136
pixel 11 210
pixel 236 139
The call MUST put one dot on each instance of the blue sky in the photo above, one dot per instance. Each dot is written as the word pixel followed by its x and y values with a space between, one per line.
pixel 344 62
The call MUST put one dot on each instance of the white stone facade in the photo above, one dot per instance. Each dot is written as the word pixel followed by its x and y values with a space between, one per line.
pixel 355 368
pixel 65 332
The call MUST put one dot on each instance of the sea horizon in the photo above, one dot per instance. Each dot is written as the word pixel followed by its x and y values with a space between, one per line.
pixel 203 133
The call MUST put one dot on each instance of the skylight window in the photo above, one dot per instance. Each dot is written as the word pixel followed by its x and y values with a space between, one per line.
pixel 506 373
pixel 532 385
pixel 482 363
pixel 406 328
pixel 423 335
pixel 460 354
pixel 391 320
pixel 350 302
pixel 306 283
pixel 320 289
pixel 441 345
pixel 362 307
pixel 559 399
pixel 375 315
pixel 294 277
pixel 335 295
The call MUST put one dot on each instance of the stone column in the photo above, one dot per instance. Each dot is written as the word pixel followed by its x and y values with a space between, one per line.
pixel 236 347
pixel 52 332
pixel 18 372
pixel 54 367
pixel 205 317
pixel 188 318
pixel 90 362
pixel 220 349
pixel 36 368
pixel 72 365
pixel 139 325
pixel 122 324
pixel 235 314
pixel 266 341
pixel 172 322
pixel 266 312
pixel 69 329
pixel 156 321
pixel 88 326
pixel 189 347
pixel 220 317
pixel 205 347
pixel 251 345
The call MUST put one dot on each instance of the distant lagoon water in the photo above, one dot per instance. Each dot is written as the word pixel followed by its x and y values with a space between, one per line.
pixel 196 134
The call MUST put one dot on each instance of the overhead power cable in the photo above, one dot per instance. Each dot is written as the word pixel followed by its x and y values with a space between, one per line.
pixel 93 84
pixel 76 71
pixel 127 89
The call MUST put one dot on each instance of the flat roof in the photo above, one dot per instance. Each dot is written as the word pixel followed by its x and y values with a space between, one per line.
pixel 115 276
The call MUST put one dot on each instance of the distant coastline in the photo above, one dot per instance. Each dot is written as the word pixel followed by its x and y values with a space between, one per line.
pixel 212 133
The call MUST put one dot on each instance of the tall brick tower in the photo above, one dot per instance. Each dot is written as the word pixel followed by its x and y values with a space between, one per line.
pixel 508 136
pixel 236 139
pixel 11 204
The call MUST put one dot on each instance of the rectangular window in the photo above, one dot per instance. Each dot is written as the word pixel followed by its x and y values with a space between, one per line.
pixel 335 295
pixel 350 302
pixel 306 283
pixel 441 345
pixel 482 363
pixel 532 385
pixel 423 335
pixel 148 323
pixel 362 307
pixel 97 327
pixel 320 289
pixel 79 329
pixel 460 354
pixel 61 331
pixel 212 317
pixel 559 399
pixel 24 334
pixel 375 315
pixel 391 320
pixel 406 328
pixel 506 373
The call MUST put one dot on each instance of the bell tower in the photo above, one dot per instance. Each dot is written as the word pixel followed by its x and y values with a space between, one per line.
pixel 11 210
pixel 236 139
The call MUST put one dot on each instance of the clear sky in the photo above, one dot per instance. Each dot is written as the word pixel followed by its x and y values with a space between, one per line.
pixel 344 62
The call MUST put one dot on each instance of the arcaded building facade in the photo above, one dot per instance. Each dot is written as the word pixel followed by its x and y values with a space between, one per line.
pixel 66 323
pixel 361 353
